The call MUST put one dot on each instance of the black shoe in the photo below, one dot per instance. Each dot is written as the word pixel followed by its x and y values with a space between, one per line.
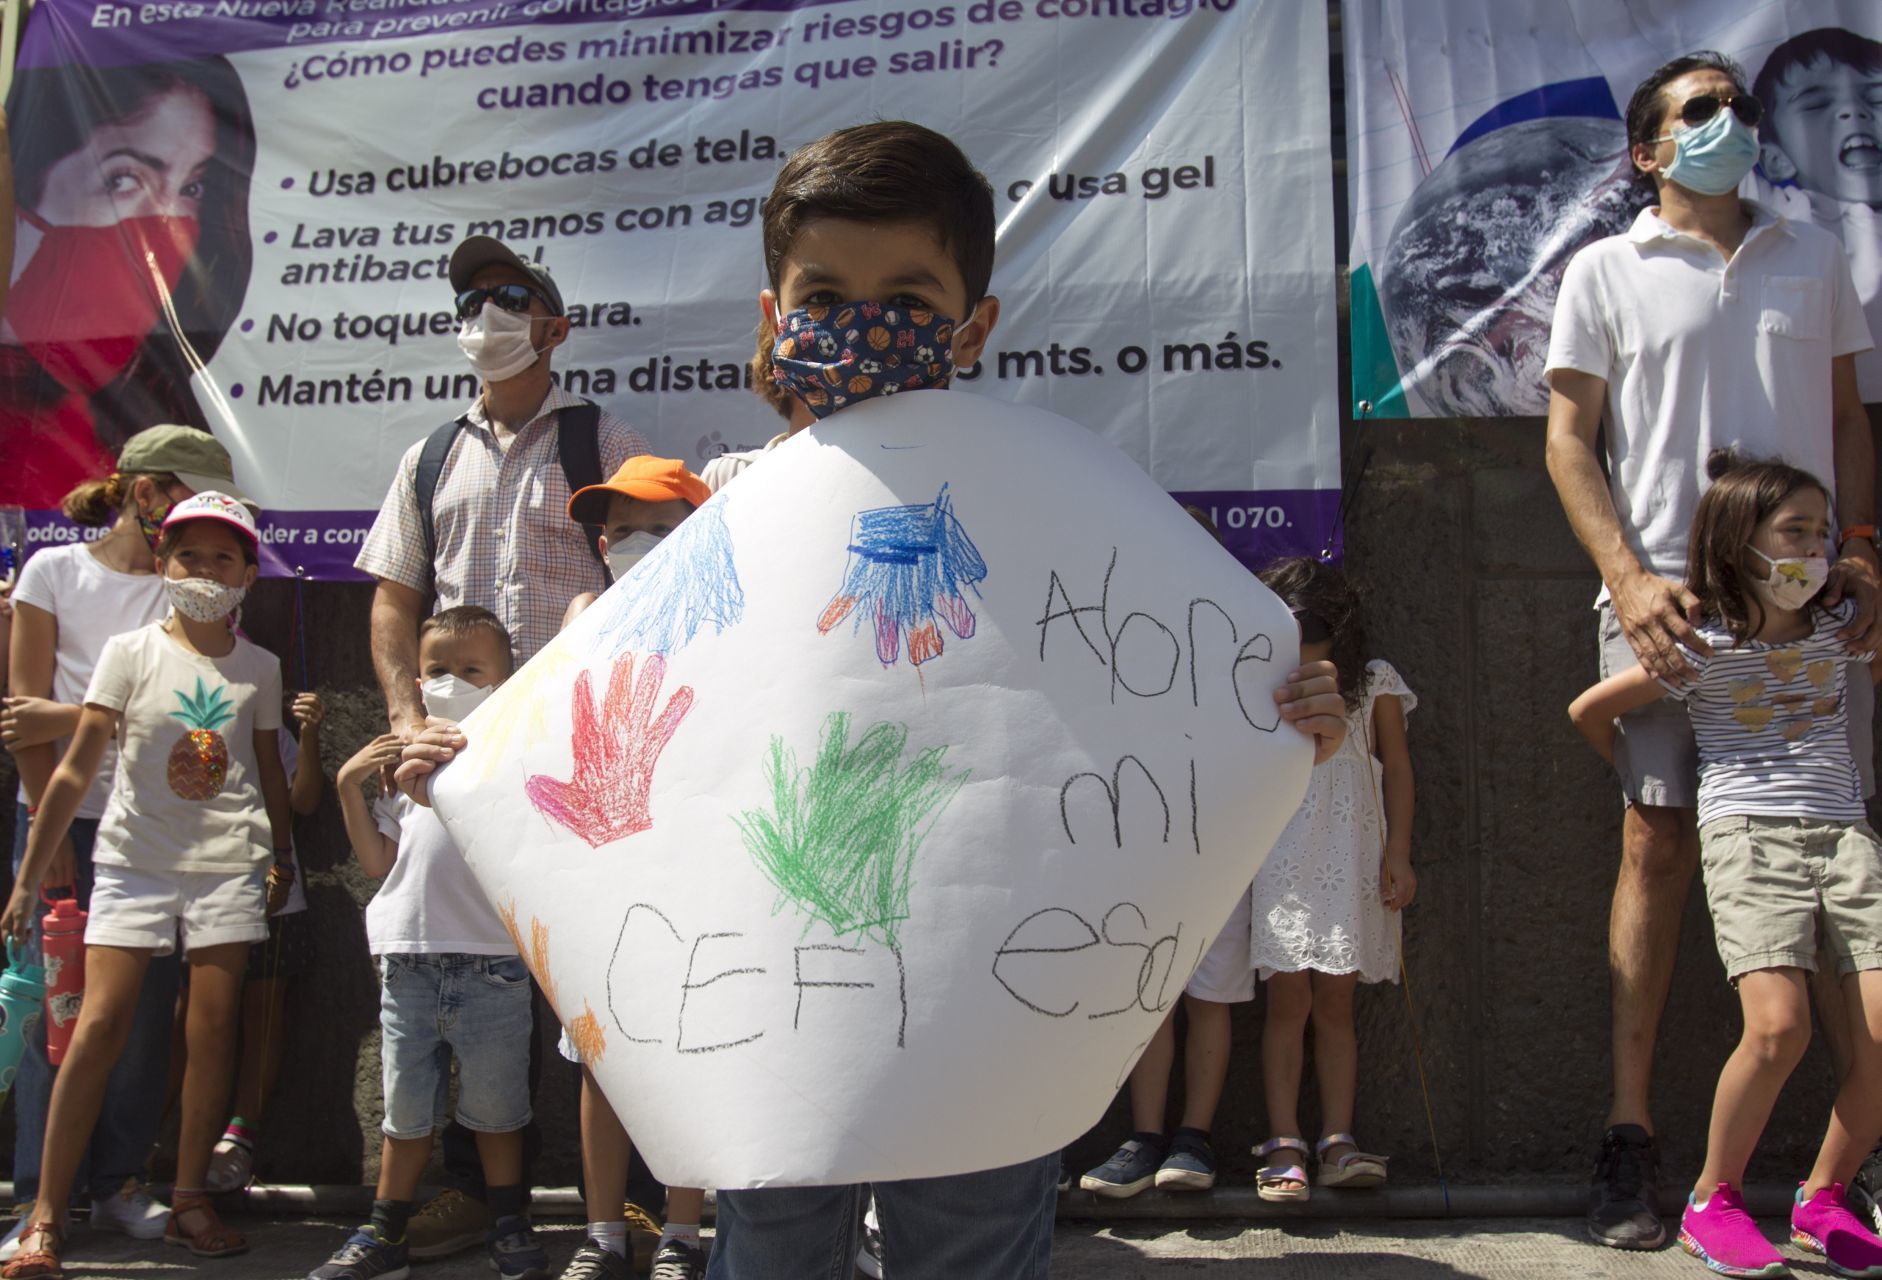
pixel 1622 1209
pixel 1865 1192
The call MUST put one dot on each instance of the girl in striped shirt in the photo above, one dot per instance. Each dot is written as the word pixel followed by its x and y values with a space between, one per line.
pixel 1784 845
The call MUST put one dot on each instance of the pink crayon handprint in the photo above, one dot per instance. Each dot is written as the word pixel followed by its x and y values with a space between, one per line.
pixel 909 566
pixel 616 746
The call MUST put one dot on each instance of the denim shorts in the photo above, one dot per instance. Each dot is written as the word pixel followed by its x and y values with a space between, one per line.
pixel 474 1006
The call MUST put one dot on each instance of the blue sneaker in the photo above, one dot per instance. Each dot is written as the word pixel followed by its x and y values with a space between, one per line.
pixel 514 1253
pixel 1190 1166
pixel 1132 1168
pixel 365 1256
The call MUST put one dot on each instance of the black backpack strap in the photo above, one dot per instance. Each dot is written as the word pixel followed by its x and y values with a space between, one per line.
pixel 578 447
pixel 431 460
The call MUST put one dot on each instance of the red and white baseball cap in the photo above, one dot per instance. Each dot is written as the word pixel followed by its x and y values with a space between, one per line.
pixel 210 505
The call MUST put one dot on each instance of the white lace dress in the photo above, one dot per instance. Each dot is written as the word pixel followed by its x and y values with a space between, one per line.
pixel 1316 902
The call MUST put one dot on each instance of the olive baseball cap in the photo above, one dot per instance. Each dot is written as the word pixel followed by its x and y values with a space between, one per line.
pixel 194 457
pixel 477 252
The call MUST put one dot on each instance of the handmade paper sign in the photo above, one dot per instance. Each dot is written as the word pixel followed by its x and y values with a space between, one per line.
pixel 869 828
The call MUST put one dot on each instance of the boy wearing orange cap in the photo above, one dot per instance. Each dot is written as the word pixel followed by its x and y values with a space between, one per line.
pixel 638 506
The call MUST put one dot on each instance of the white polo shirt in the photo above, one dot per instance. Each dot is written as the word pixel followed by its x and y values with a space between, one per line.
pixel 1700 353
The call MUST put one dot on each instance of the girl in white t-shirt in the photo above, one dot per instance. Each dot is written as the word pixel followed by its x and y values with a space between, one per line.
pixel 69 600
pixel 199 800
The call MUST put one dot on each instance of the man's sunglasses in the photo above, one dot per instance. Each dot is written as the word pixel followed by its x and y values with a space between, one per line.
pixel 511 297
pixel 1699 109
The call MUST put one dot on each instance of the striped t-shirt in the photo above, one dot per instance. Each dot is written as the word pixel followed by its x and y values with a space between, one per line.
pixel 1772 721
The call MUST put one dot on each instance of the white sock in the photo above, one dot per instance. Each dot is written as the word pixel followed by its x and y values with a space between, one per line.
pixel 611 1236
pixel 687 1233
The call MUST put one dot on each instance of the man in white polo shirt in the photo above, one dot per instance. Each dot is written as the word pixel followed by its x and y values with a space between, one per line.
pixel 1711 322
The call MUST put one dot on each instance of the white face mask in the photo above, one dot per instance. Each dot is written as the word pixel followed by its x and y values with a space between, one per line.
pixel 630 551
pixel 1793 582
pixel 202 600
pixel 496 342
pixel 450 698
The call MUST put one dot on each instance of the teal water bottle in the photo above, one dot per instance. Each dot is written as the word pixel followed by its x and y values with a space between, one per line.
pixel 22 997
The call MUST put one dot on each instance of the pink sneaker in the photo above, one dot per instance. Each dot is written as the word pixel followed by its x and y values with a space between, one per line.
pixel 1824 1225
pixel 1723 1236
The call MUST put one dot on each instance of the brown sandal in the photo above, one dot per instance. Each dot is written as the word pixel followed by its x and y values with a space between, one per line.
pixel 211 1240
pixel 38 1258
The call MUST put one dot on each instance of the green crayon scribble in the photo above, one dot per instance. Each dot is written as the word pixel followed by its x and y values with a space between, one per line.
pixel 841 836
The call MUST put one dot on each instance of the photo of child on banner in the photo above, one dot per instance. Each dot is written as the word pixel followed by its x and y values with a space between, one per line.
pixel 985 830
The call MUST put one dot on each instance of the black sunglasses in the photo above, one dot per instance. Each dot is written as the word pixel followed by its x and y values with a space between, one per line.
pixel 511 297
pixel 1313 628
pixel 1699 109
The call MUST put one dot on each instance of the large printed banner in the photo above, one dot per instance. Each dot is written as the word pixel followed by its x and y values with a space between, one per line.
pixel 237 213
pixel 1486 145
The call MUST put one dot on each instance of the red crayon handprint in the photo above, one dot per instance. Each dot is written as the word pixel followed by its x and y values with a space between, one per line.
pixel 616 746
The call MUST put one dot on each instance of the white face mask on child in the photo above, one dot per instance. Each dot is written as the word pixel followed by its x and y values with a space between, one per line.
pixel 203 600
pixel 1792 582
pixel 630 551
pixel 450 698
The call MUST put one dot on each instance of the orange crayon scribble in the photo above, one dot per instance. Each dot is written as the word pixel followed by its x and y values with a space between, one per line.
pixel 536 953
pixel 589 1039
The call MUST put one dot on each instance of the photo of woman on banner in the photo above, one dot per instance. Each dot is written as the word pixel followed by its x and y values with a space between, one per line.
pixel 131 258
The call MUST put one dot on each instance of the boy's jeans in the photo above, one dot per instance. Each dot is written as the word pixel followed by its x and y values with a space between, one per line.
pixel 991 1225
pixel 135 1093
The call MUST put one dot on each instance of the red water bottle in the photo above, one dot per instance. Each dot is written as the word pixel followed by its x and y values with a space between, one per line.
pixel 63 929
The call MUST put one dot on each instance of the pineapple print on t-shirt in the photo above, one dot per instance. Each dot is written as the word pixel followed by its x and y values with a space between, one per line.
pixel 199 762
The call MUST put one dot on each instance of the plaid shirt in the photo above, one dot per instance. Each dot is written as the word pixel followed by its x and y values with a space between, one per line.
pixel 505 540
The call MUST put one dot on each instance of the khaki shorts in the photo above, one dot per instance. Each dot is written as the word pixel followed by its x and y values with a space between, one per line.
pixel 1776 886
pixel 1656 756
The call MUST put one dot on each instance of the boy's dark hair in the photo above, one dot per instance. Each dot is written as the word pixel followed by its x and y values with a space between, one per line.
pixel 462 620
pixel 1744 491
pixel 1825 44
pixel 173 534
pixel 1647 107
pixel 1311 586
pixel 888 171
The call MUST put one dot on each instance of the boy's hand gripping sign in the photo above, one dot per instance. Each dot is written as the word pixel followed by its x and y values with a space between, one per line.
pixel 870 827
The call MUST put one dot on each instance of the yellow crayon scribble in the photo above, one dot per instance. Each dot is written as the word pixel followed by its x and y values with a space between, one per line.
pixel 1753 718
pixel 518 724
pixel 1784 663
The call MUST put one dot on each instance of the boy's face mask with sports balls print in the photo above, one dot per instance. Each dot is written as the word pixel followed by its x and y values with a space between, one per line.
pixel 90 296
pixel 833 356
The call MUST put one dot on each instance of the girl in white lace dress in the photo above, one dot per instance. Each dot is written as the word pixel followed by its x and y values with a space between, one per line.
pixel 1324 911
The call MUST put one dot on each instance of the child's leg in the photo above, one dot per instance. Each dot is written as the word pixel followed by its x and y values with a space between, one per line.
pixel 1283 1047
pixel 501 1155
pixel 1856 1119
pixel 216 975
pixel 402 1163
pixel 1776 1006
pixel 605 1153
pixel 114 978
pixel 1205 1060
pixel 1335 1054
pixel 1150 1078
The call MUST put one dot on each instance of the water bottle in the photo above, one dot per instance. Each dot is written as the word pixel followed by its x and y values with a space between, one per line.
pixel 22 993
pixel 63 929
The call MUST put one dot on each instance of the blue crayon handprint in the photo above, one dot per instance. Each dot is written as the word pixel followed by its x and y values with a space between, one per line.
pixel 908 566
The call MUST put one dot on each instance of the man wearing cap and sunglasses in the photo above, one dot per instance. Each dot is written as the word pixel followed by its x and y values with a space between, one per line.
pixel 1712 322
pixel 476 515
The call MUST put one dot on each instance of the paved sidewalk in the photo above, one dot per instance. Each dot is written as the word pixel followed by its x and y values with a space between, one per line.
pixel 287 1248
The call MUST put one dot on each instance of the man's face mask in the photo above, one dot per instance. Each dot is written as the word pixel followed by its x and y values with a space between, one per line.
pixel 833 356
pixel 497 342
pixel 1713 158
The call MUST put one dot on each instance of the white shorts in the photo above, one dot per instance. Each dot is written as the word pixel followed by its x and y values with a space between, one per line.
pixel 1227 972
pixel 131 907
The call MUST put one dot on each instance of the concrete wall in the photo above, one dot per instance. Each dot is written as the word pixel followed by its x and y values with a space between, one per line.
pixel 1477 592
